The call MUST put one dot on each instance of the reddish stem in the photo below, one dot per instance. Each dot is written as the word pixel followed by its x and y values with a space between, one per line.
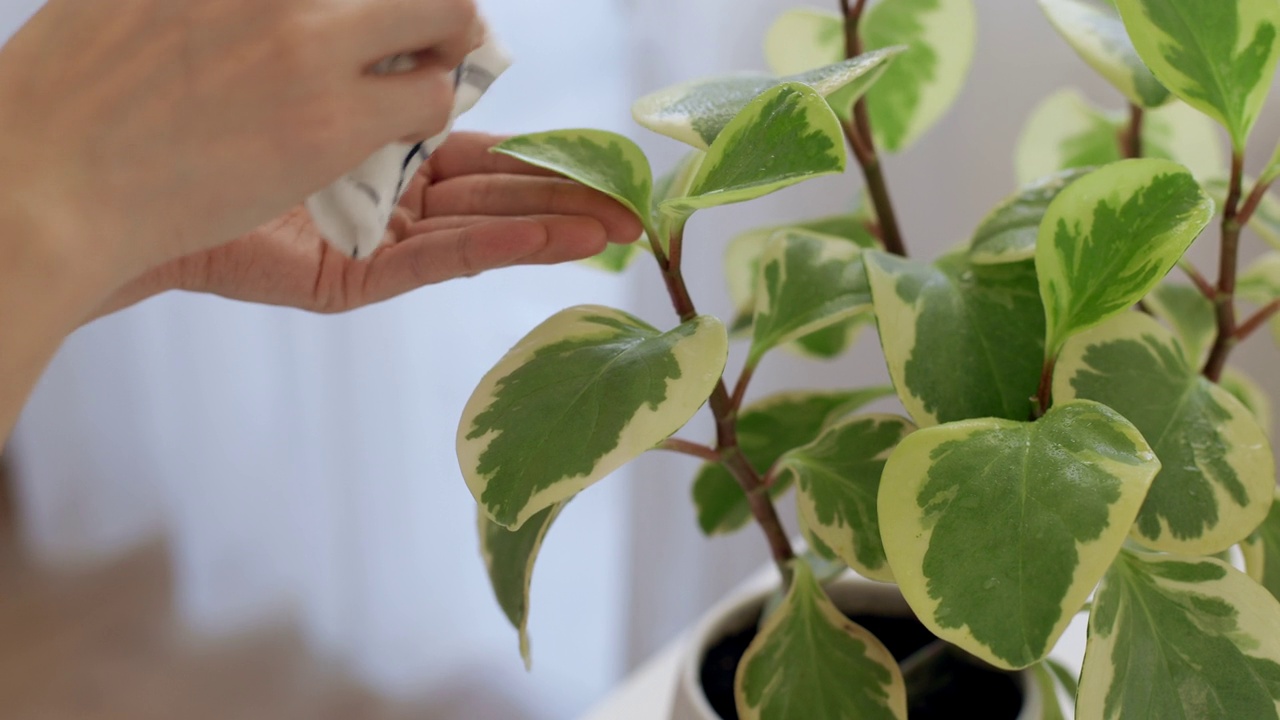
pixel 1228 267
pixel 1250 326
pixel 685 447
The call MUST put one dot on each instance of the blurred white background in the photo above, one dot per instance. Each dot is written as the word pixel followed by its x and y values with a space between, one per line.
pixel 302 467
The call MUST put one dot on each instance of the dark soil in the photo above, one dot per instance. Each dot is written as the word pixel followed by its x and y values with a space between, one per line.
pixel 942 682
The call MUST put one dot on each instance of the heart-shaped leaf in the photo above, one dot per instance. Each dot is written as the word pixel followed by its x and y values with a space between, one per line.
pixel 1066 132
pixel 1218 471
pixel 1009 233
pixel 1180 638
pixel 810 661
pixel 807 282
pixel 509 556
pixel 696 113
pixel 1217 56
pixel 1098 35
pixel 961 340
pixel 766 430
pixel 601 160
pixel 785 136
pixel 583 394
pixel 997 531
pixel 1110 237
pixel 921 84
pixel 837 478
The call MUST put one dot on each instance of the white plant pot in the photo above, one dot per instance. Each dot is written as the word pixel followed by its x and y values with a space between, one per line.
pixel 852 594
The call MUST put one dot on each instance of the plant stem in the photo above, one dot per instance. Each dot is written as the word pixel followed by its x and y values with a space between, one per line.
pixel 1044 396
pixel 740 390
pixel 1251 204
pixel 685 447
pixel 1250 326
pixel 1131 135
pixel 1227 269
pixel 863 142
pixel 727 450
pixel 1201 283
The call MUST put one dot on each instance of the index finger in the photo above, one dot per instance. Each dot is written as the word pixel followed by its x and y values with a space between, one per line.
pixel 471 154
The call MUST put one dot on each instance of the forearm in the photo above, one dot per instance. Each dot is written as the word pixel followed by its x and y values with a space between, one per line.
pixel 46 291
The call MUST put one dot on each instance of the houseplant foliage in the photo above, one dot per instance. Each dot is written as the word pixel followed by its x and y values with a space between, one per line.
pixel 1072 436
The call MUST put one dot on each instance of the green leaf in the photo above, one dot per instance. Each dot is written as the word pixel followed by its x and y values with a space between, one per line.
pixel 997 531
pixel 615 258
pixel 583 394
pixel 1190 314
pixel 742 270
pixel 924 82
pixel 1066 132
pixel 601 160
pixel 807 282
pixel 1051 706
pixel 1180 638
pixel 1251 395
pixel 838 480
pixel 1065 677
pixel 1097 34
pixel 1217 56
pixel 696 113
pixel 1218 472
pixel 961 341
pixel 509 556
pixel 1009 233
pixel 1262 551
pixel 785 136
pixel 1110 237
pixel 766 430
pixel 1260 283
pixel 921 84
pixel 810 661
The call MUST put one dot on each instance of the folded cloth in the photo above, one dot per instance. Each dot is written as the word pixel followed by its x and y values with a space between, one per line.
pixel 353 213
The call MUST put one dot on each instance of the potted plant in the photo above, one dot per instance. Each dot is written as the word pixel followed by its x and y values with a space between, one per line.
pixel 1072 440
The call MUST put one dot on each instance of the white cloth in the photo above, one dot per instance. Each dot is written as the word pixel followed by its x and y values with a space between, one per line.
pixel 352 214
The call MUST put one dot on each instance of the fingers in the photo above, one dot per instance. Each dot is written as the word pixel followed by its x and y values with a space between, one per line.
pixel 520 195
pixel 441 31
pixel 412 104
pixel 443 254
pixel 470 154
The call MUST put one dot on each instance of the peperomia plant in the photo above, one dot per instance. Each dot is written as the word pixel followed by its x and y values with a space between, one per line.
pixel 1074 439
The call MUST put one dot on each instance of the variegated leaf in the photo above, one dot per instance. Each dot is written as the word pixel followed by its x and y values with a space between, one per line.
pixel 1191 316
pixel 1218 471
pixel 810 661
pixel 509 556
pixel 807 282
pixel 785 136
pixel 917 89
pixel 605 161
pixel 766 430
pixel 1217 56
pixel 1262 551
pixel 997 531
pixel 1097 34
pixel 1047 683
pixel 1066 132
pixel 742 269
pixel 1180 638
pixel 1250 394
pixel 961 340
pixel 1110 237
pixel 583 394
pixel 615 258
pixel 837 480
pixel 697 112
pixel 1008 234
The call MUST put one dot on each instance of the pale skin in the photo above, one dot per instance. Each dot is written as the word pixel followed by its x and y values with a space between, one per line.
pixel 172 148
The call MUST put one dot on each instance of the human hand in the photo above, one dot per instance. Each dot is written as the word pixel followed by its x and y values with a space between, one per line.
pixel 467 211
pixel 147 130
